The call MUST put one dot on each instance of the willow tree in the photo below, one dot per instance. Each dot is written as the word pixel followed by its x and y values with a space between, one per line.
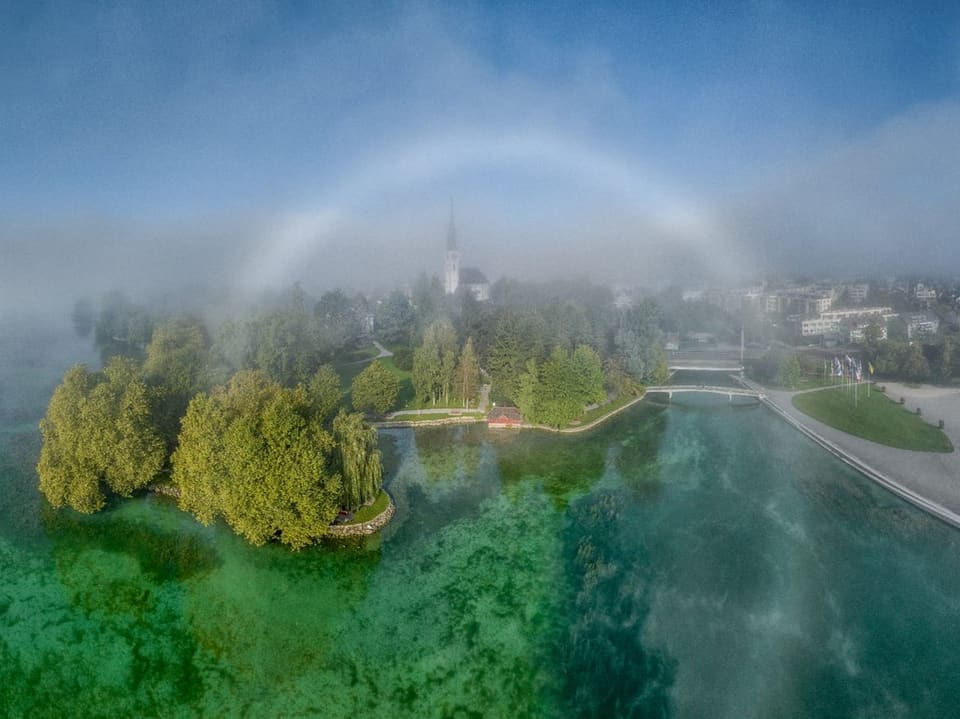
pixel 358 459
pixel 98 431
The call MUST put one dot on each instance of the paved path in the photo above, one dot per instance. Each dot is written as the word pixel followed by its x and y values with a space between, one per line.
pixel 484 398
pixel 384 352
pixel 930 480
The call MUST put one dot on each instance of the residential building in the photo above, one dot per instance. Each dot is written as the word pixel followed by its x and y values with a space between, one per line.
pixel 921 324
pixel 829 322
pixel 924 294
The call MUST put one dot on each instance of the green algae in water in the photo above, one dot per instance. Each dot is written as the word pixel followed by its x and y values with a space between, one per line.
pixel 696 560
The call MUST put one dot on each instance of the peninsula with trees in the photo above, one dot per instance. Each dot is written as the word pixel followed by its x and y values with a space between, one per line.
pixel 261 417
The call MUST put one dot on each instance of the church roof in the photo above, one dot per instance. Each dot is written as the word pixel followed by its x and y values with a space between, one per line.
pixel 472 276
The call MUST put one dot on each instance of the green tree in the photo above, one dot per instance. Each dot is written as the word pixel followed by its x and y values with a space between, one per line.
pixel 256 455
pixel 517 339
pixel 788 371
pixel 434 363
pixel 528 392
pixel 98 429
pixel 357 460
pixel 559 397
pixel 375 388
pixel 338 319
pixel 915 365
pixel 637 340
pixel 284 343
pixel 395 319
pixel 588 375
pixel 69 472
pixel 557 391
pixel 617 381
pixel 122 328
pixel 426 368
pixel 467 374
pixel 176 369
pixel 325 392
pixel 945 361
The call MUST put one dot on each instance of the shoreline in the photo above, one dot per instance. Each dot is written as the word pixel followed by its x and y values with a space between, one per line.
pixel 362 529
pixel 590 425
pixel 400 423
pixel 852 458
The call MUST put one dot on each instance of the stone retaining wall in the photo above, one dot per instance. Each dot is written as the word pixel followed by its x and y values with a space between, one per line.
pixel 368 527
pixel 392 424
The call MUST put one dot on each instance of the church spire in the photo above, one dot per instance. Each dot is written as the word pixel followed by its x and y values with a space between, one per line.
pixel 451 274
pixel 451 232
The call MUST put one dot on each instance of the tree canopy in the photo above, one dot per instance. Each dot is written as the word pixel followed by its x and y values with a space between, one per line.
pixel 376 388
pixel 256 454
pixel 98 431
pixel 558 391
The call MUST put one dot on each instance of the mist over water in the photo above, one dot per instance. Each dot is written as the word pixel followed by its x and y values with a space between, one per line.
pixel 689 560
pixel 151 146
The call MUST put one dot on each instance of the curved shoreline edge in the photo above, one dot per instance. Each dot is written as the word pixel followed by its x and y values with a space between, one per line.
pixel 590 425
pixel 398 424
pixel 930 507
pixel 364 528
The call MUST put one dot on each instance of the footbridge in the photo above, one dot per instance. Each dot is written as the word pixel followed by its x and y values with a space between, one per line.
pixel 729 392
pixel 705 366
pixel 709 360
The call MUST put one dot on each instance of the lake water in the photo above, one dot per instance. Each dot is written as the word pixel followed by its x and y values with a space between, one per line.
pixel 696 560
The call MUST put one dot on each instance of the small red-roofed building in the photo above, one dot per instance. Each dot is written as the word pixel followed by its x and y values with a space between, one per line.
pixel 504 418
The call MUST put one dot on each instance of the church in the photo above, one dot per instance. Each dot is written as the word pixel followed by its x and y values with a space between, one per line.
pixel 469 278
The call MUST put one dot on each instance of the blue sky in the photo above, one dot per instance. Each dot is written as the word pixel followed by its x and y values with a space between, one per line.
pixel 269 140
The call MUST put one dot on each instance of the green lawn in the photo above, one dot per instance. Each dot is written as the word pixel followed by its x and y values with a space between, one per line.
pixel 875 418
pixel 365 514
pixel 602 410
pixel 414 417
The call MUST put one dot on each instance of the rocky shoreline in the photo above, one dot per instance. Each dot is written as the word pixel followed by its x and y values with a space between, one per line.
pixel 364 528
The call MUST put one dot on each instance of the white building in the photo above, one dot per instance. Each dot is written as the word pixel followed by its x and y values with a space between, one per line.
pixel 858 293
pixel 924 294
pixel 829 322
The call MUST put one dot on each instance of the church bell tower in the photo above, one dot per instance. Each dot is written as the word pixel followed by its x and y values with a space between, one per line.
pixel 451 276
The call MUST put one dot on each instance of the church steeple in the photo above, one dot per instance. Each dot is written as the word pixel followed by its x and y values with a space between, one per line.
pixel 451 232
pixel 451 274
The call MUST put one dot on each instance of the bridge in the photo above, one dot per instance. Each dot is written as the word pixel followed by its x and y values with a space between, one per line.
pixel 730 392
pixel 705 366
pixel 713 359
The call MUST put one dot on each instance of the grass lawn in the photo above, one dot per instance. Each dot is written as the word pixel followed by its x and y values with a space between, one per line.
pixel 357 355
pixel 603 410
pixel 365 514
pixel 875 418
pixel 414 417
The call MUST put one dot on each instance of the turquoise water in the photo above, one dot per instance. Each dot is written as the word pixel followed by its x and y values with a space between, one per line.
pixel 695 560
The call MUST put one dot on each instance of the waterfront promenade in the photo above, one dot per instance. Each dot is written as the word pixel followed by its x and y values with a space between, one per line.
pixel 930 480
